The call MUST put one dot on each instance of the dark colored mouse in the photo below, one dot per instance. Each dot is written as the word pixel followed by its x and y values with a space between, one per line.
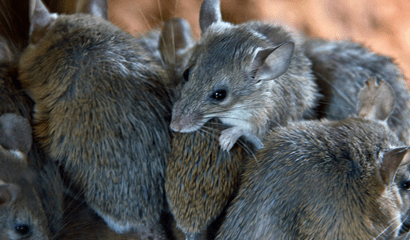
pixel 200 177
pixel 101 111
pixel 342 67
pixel 252 76
pixel 328 179
pixel 45 177
pixel 22 215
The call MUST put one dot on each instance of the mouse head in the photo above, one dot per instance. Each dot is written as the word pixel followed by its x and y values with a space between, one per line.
pixel 367 203
pixel 227 71
pixel 21 211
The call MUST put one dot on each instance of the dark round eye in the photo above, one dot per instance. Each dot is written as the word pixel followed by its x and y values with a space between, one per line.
pixel 218 95
pixel 405 185
pixel 23 229
pixel 186 75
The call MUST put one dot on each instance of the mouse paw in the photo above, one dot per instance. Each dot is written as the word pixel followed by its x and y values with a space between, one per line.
pixel 229 137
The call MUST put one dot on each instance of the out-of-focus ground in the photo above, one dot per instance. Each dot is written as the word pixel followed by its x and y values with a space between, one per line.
pixel 382 25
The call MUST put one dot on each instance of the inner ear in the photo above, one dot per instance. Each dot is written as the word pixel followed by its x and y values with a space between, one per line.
pixel 271 63
pixel 209 13
pixel 94 7
pixel 15 133
pixel 391 161
pixel 376 100
pixel 40 19
pixel 8 193
pixel 175 41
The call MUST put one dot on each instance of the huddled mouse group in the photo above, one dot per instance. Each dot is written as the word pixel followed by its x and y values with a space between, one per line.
pixel 250 132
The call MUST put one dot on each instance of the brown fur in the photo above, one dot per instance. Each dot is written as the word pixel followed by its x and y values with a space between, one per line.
pixel 200 177
pixel 101 111
pixel 320 180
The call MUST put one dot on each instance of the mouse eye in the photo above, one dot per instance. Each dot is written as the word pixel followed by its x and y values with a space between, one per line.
pixel 405 185
pixel 186 75
pixel 22 229
pixel 218 95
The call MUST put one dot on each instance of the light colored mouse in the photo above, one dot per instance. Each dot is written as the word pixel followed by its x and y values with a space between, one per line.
pixel 252 76
pixel 102 112
pixel 328 179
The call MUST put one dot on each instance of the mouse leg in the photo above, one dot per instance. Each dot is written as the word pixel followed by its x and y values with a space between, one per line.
pixel 229 137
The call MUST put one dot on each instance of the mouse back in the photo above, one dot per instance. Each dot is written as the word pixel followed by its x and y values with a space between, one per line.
pixel 21 211
pixel 101 112
pixel 323 180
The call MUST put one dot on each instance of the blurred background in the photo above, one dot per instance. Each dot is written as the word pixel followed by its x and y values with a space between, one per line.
pixel 381 25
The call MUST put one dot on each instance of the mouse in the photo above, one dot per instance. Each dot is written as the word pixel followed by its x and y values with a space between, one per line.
pixel 101 111
pixel 200 177
pixel 325 179
pixel 341 68
pixel 46 179
pixel 251 76
pixel 21 210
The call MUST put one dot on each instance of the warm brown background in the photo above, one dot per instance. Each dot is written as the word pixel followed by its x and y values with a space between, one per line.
pixel 382 25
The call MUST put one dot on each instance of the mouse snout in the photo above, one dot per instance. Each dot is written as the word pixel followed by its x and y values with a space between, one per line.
pixel 185 123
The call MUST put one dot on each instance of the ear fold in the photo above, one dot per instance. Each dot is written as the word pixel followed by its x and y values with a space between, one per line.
pixel 376 100
pixel 8 193
pixel 210 13
pixel 95 7
pixel 15 133
pixel 40 19
pixel 271 63
pixel 175 41
pixel 391 161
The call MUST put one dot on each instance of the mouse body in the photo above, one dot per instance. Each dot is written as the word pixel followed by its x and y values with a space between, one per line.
pixel 101 112
pixel 325 179
pixel 200 177
pixel 251 76
pixel 45 181
pixel 341 69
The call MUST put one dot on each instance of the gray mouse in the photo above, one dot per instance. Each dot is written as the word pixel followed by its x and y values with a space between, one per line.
pixel 200 177
pixel 342 67
pixel 102 112
pixel 22 215
pixel 325 179
pixel 252 76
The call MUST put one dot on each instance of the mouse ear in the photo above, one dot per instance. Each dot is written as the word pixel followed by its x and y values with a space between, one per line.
pixel 7 52
pixel 175 41
pixel 376 100
pixel 40 19
pixel 8 193
pixel 94 7
pixel 271 63
pixel 15 133
pixel 210 12
pixel 391 161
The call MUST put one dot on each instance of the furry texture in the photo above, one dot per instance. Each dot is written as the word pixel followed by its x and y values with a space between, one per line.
pixel 222 59
pixel 342 67
pixel 200 177
pixel 101 112
pixel 44 177
pixel 317 180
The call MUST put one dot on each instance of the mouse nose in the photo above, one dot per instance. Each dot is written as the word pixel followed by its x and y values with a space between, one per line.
pixel 175 126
